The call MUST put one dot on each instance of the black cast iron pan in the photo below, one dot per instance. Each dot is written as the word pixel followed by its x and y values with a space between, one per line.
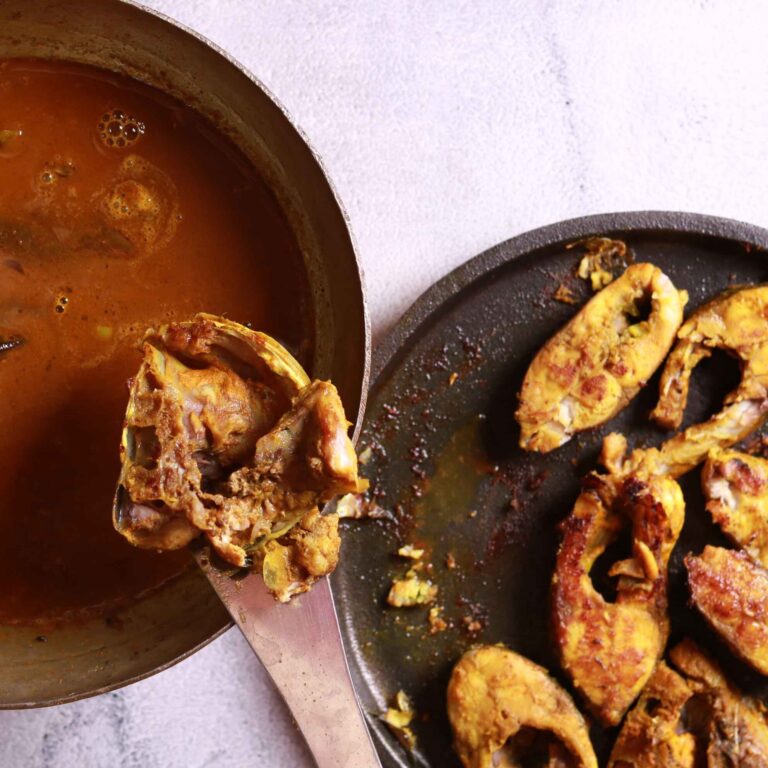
pixel 446 467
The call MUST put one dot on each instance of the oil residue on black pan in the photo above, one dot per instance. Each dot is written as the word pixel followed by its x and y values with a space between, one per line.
pixel 445 466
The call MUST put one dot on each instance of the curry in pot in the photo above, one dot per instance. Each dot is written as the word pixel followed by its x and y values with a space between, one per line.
pixel 120 209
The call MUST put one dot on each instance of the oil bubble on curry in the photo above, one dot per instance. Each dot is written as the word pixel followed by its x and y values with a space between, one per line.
pixel 120 210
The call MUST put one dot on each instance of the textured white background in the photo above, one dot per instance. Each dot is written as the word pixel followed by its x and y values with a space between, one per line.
pixel 447 127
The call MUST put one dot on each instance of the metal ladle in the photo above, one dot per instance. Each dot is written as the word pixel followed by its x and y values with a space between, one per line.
pixel 300 646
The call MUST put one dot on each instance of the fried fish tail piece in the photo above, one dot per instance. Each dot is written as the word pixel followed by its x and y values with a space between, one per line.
pixel 692 717
pixel 609 649
pixel 736 322
pixel 731 592
pixel 732 727
pixel 736 487
pixel 493 693
pixel 590 369
pixel 226 436
pixel 653 734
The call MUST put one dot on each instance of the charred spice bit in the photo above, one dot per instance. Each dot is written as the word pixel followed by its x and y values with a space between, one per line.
pixel 399 717
pixel 472 627
pixel 535 482
pixel 509 531
pixel 564 295
pixel 476 618
pixel 603 257
pixel 391 412
pixel 416 395
pixel 436 622
pixel 418 452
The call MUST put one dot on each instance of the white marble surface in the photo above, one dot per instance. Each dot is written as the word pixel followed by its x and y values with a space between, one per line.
pixel 448 126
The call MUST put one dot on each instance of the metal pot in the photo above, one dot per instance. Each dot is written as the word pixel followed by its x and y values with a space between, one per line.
pixel 173 622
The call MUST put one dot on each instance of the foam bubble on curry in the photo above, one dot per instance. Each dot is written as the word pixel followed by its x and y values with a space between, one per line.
pixel 119 130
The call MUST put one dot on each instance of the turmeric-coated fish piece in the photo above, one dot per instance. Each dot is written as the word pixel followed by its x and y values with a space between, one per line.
pixel 691 717
pixel 654 734
pixel 731 727
pixel 737 322
pixel 731 592
pixel 590 369
pixel 736 487
pixel 610 648
pixel 493 693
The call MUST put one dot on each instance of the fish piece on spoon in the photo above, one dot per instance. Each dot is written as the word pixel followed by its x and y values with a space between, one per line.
pixel 225 435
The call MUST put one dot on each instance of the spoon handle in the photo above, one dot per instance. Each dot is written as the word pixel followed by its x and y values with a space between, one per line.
pixel 300 646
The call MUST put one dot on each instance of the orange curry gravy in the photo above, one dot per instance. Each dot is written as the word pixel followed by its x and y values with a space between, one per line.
pixel 119 209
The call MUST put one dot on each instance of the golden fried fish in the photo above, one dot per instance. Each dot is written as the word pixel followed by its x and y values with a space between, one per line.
pixel 731 592
pixel 736 487
pixel 692 717
pixel 735 322
pixel 609 649
pixel 654 733
pixel 732 728
pixel 495 693
pixel 590 369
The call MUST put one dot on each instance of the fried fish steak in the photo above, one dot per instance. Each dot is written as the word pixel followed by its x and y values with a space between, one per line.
pixel 654 733
pixel 736 487
pixel 590 369
pixel 494 694
pixel 734 322
pixel 609 649
pixel 731 592
pixel 732 727
pixel 226 436
pixel 690 717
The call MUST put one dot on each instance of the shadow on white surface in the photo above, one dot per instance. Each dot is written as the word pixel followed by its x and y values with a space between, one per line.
pixel 216 709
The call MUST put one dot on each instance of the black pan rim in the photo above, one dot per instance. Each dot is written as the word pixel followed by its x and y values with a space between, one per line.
pixel 458 279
